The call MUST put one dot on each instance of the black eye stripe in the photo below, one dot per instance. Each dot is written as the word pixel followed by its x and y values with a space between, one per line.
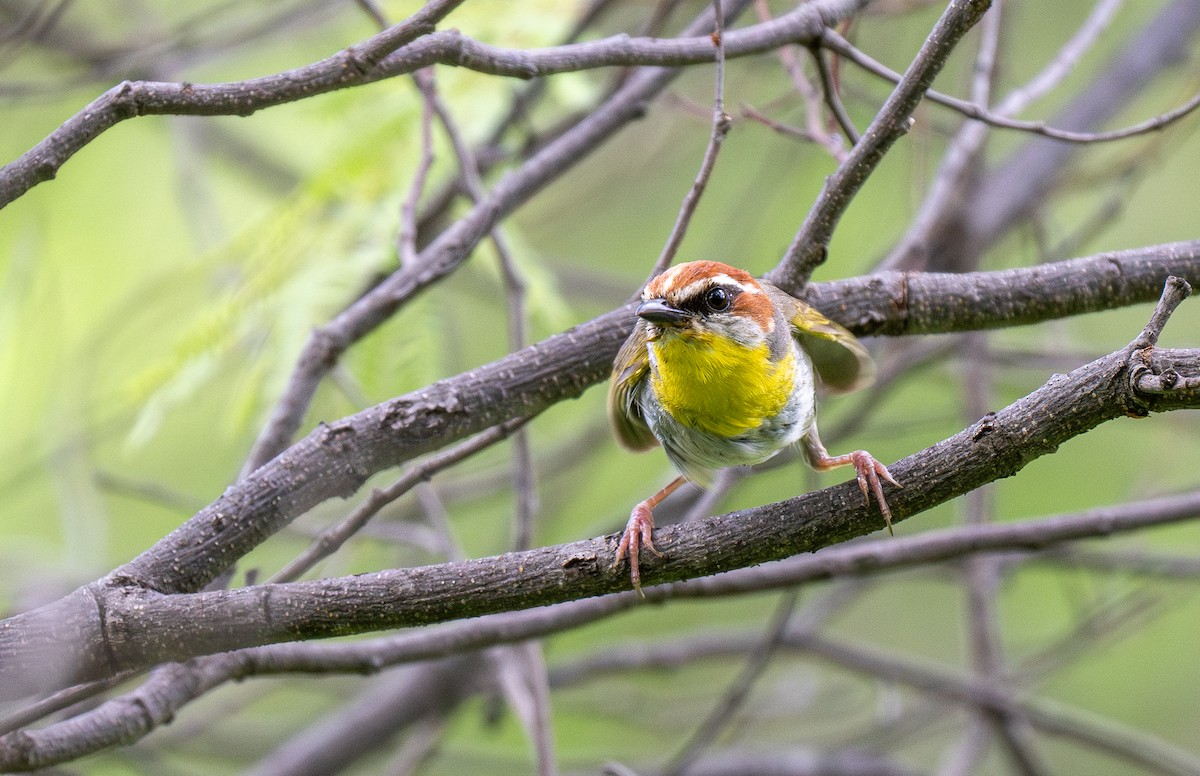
pixel 714 299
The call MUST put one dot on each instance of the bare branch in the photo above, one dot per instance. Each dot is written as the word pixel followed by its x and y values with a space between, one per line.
pixel 406 235
pixel 336 458
pixel 1174 292
pixel 173 686
pixel 1001 117
pixel 893 120
pixel 395 51
pixel 942 685
pixel 816 130
pixel 332 539
pixel 721 124
pixel 734 697
pixel 140 627
pixel 1111 738
pixel 833 99
pixel 523 484
pixel 454 245
pixel 1020 184
pixel 1064 61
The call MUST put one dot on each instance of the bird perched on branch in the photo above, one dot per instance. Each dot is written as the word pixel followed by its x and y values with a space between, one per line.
pixel 719 370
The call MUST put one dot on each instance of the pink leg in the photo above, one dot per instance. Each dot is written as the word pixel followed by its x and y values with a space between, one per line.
pixel 639 532
pixel 867 470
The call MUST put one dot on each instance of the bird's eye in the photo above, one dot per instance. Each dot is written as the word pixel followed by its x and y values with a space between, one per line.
pixel 718 299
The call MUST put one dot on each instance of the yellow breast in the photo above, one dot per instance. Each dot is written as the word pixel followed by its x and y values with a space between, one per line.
pixel 717 385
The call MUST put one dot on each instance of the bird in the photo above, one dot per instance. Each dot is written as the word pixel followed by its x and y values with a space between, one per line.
pixel 721 370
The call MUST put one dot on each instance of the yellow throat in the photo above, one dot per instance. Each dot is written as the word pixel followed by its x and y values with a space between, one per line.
pixel 714 384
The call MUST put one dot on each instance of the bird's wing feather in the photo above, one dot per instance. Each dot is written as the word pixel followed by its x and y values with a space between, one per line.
pixel 630 369
pixel 841 361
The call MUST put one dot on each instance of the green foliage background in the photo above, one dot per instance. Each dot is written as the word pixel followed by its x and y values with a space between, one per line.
pixel 155 296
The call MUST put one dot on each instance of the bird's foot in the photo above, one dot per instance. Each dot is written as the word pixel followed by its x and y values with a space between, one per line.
pixel 869 471
pixel 639 533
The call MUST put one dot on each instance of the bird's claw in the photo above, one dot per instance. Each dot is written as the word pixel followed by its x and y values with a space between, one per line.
pixel 868 472
pixel 639 533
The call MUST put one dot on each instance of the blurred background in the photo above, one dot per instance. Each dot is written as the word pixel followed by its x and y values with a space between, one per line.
pixel 155 296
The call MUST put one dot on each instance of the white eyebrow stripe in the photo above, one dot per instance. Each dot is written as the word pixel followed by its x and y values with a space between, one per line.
pixel 720 279
pixel 662 281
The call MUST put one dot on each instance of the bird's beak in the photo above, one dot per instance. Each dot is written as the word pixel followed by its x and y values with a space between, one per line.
pixel 658 311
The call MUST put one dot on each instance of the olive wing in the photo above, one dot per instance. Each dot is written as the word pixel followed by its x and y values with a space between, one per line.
pixel 630 369
pixel 841 361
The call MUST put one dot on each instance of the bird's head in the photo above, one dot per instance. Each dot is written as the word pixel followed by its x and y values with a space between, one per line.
pixel 704 299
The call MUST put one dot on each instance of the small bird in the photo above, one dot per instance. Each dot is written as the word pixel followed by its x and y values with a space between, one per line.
pixel 719 370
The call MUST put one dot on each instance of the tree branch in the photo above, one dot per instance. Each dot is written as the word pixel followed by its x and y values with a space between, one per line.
pixel 808 248
pixel 116 624
pixel 1000 119
pixel 335 459
pixel 399 50
pixel 1020 184
pixel 157 701
pixel 1115 740
pixel 452 247
pixel 563 366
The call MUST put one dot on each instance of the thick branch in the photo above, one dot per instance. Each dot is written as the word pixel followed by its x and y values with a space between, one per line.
pixel 140 627
pixel 171 688
pixel 932 303
pixel 335 459
pixel 454 245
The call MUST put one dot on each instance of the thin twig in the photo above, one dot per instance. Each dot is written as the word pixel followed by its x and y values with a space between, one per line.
pixel 455 244
pixel 721 124
pixel 332 539
pixel 1174 292
pixel 515 293
pixel 736 694
pixel 810 245
pixel 63 699
pixel 832 95
pixel 754 114
pixel 406 235
pixel 814 120
pixel 843 47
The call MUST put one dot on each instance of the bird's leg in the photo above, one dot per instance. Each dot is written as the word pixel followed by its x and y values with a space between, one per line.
pixel 639 533
pixel 867 469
